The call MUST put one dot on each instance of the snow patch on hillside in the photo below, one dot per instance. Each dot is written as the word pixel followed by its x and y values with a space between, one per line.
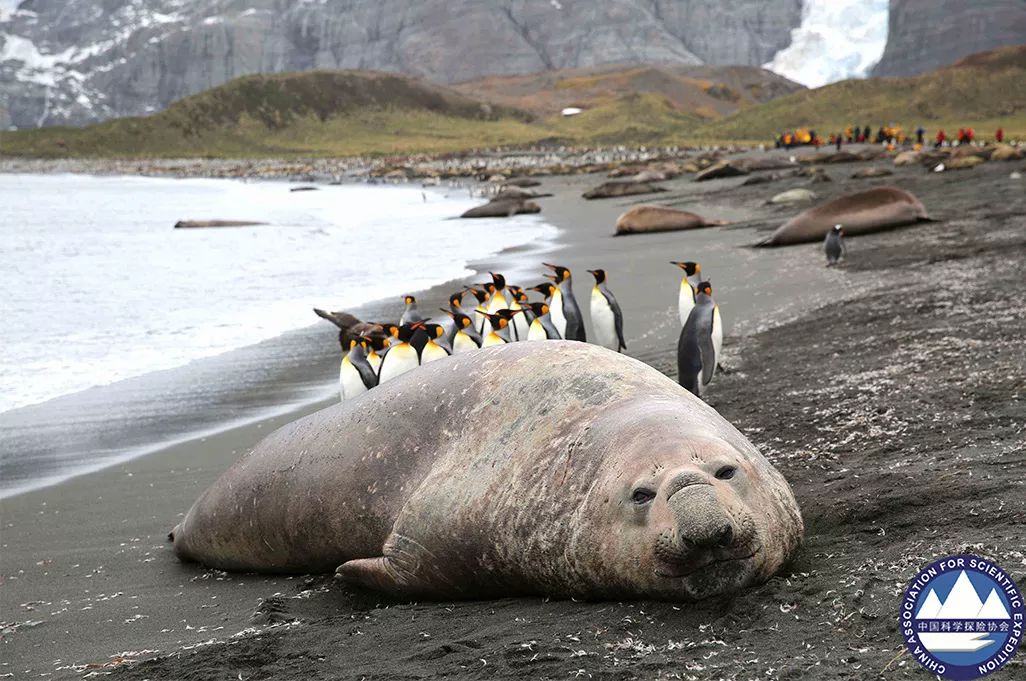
pixel 837 39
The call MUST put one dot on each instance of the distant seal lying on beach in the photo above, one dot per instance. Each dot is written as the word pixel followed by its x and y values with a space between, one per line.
pixel 645 219
pixel 502 208
pixel 554 468
pixel 872 210
pixel 616 188
pixel 199 224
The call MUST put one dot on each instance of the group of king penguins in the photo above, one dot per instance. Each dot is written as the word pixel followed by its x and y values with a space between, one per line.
pixel 502 313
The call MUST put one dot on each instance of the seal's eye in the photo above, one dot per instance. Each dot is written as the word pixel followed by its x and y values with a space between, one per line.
pixel 726 473
pixel 642 496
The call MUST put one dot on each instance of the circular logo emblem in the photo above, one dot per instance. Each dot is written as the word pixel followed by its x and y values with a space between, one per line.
pixel 962 617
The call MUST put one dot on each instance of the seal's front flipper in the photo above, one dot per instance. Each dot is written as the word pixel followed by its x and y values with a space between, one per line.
pixel 372 573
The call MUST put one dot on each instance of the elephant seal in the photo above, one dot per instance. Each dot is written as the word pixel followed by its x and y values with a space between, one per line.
pixel 872 210
pixel 645 219
pixel 617 188
pixel 721 169
pixel 502 208
pixel 557 468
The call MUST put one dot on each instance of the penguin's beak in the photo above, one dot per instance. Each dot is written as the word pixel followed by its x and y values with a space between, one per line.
pixel 550 266
pixel 550 276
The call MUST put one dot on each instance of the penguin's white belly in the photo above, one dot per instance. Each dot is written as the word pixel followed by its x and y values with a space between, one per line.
pixel 556 313
pixel 462 343
pixel 537 331
pixel 350 384
pixel 496 303
pixel 519 324
pixel 492 339
pixel 432 352
pixel 603 321
pixel 717 333
pixel 375 361
pixel 686 301
pixel 400 359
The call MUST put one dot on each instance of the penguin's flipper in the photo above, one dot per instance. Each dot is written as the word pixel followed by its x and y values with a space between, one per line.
pixel 617 320
pixel 707 351
pixel 367 375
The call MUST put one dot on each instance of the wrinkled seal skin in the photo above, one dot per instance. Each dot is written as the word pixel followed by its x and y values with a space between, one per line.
pixel 508 471
pixel 872 210
pixel 647 219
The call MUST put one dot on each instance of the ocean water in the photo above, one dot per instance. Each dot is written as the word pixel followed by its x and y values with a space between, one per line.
pixel 97 287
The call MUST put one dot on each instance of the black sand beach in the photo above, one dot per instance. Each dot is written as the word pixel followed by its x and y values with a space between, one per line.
pixel 889 391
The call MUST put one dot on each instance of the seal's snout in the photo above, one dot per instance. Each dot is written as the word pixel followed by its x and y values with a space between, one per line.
pixel 702 521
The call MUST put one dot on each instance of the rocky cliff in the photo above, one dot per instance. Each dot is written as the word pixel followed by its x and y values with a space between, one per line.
pixel 927 34
pixel 73 63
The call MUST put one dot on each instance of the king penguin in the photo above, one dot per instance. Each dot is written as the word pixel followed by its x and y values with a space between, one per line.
pixel 466 338
pixel 403 355
pixel 833 245
pixel 481 311
pixel 356 375
pixel 435 347
pixel 520 324
pixel 686 298
pixel 410 314
pixel 698 348
pixel 541 326
pixel 500 322
pixel 606 317
pixel 570 310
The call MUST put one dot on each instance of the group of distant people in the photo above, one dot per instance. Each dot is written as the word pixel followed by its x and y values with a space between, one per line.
pixel 891 135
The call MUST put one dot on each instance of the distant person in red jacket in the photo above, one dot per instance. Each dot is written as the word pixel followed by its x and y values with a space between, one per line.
pixel 999 135
pixel 969 135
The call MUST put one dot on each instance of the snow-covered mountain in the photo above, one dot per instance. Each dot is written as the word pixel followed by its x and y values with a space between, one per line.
pixel 65 62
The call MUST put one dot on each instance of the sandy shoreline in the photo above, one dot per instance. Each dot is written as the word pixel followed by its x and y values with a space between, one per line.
pixel 87 575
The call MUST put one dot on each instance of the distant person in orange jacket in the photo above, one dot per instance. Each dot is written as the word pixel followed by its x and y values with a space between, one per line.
pixel 999 135
pixel 940 139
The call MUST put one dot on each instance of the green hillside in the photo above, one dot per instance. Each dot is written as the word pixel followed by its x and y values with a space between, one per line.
pixel 985 90
pixel 347 113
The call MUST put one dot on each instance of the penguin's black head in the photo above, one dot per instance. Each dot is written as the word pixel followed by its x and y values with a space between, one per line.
pixel 538 309
pixel 562 273
pixel 434 330
pixel 406 331
pixel 498 321
pixel 462 321
pixel 507 314
pixel 704 287
pixel 514 289
pixel 456 299
pixel 544 288
pixel 409 300
pixel 377 342
pixel 838 229
pixel 392 329
pixel 481 296
pixel 690 268
pixel 498 280
pixel 600 275
pixel 520 296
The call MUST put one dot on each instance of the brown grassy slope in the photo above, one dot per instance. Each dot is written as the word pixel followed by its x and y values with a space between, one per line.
pixel 704 91
pixel 985 90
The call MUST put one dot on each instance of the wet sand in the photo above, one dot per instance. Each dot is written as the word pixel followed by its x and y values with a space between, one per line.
pixel 890 392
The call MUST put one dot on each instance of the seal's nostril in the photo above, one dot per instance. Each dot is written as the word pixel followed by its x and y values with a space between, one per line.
pixel 725 535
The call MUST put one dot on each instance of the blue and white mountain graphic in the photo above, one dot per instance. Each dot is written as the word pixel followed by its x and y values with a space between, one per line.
pixel 962 603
